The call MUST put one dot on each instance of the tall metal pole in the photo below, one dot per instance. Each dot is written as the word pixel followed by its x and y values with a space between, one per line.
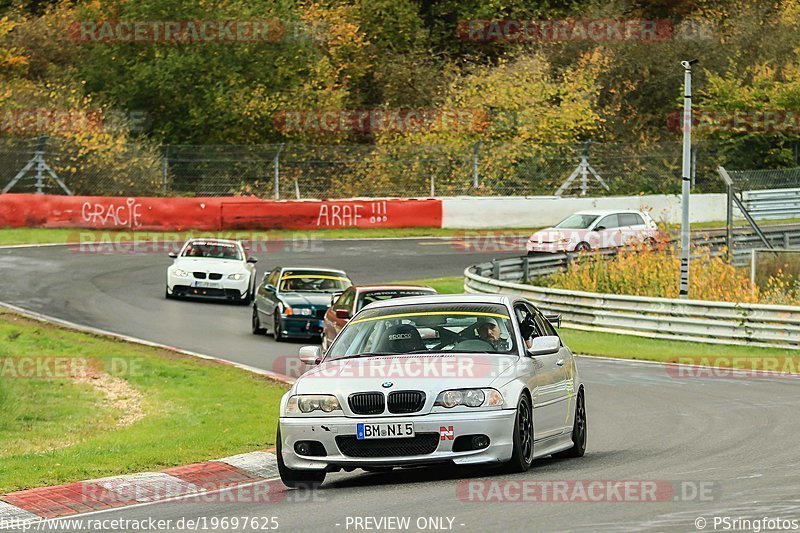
pixel 686 176
pixel 277 171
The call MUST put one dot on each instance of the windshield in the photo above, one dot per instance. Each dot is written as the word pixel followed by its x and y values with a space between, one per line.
pixel 378 296
pixel 298 281
pixel 212 250
pixel 424 328
pixel 576 221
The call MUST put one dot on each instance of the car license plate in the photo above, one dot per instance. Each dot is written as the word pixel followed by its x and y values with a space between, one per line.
pixel 206 284
pixel 385 431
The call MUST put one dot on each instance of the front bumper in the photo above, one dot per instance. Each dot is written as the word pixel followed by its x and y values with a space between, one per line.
pixel 301 327
pixel 548 247
pixel 223 289
pixel 498 425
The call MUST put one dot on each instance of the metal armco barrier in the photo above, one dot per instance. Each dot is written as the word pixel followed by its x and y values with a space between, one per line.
pixel 773 203
pixel 665 318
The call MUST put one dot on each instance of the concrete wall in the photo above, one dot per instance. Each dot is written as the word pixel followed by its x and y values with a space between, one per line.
pixel 541 211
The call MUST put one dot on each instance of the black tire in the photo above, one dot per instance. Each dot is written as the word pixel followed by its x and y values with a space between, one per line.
pixel 522 455
pixel 297 479
pixel 255 323
pixel 276 326
pixel 583 247
pixel 578 430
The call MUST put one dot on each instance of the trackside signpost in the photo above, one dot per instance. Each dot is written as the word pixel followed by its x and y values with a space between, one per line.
pixel 686 176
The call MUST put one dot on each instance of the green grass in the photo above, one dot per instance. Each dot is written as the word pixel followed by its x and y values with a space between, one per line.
pixel 634 347
pixel 57 430
pixel 11 236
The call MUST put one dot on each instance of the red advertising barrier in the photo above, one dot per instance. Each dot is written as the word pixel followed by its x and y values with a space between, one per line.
pixel 178 214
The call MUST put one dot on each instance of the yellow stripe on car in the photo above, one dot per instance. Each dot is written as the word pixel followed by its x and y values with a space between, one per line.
pixel 429 313
pixel 314 277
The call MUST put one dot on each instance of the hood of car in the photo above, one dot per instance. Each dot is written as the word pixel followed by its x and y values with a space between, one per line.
pixel 307 299
pixel 429 373
pixel 201 264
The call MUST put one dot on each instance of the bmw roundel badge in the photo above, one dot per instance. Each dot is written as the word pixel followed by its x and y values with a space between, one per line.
pixel 386 384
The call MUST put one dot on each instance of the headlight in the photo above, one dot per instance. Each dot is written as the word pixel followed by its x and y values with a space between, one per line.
pixel 298 311
pixel 180 273
pixel 235 277
pixel 469 398
pixel 308 403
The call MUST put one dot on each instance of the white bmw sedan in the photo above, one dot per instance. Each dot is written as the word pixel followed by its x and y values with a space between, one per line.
pixel 212 268
pixel 464 379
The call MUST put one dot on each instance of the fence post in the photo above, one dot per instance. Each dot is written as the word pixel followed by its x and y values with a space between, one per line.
pixel 525 266
pixel 296 189
pixel 165 170
pixel 433 186
pixel 729 224
pixel 495 269
pixel 277 177
pixel 475 151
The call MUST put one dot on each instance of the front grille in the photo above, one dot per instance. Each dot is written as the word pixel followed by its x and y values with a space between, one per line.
pixel 366 403
pixel 199 275
pixel 420 444
pixel 214 275
pixel 406 401
pixel 320 313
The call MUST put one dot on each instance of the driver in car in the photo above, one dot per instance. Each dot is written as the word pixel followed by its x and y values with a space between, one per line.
pixel 489 331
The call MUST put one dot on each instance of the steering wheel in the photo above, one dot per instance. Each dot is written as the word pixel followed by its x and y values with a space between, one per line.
pixel 446 337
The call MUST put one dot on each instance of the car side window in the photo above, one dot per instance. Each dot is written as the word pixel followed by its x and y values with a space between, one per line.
pixel 346 300
pixel 273 278
pixel 608 222
pixel 527 324
pixel 545 326
pixel 630 219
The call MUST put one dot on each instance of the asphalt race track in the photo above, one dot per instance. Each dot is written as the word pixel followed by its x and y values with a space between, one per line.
pixel 723 446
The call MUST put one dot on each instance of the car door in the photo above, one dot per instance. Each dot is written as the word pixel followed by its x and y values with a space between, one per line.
pixel 565 378
pixel 544 378
pixel 266 298
pixel 632 228
pixel 607 232
pixel 333 324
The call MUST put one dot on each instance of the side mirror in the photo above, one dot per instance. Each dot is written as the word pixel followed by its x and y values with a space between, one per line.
pixel 600 228
pixel 554 319
pixel 343 313
pixel 311 355
pixel 270 287
pixel 545 345
pixel 252 260
pixel 173 255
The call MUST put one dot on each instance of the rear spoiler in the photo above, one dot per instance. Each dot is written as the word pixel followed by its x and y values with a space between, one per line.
pixel 553 318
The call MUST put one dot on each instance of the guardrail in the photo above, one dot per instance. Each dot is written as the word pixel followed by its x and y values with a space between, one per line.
pixel 773 203
pixel 666 318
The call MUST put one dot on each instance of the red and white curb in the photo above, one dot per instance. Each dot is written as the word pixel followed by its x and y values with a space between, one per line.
pixel 199 480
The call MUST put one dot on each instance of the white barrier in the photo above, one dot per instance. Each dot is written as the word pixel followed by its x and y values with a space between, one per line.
pixel 542 211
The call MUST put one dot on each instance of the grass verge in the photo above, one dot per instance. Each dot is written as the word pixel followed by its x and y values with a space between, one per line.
pixel 76 406
pixel 643 348
pixel 12 236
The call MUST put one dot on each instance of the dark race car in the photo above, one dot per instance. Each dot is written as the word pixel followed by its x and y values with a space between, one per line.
pixel 354 299
pixel 291 302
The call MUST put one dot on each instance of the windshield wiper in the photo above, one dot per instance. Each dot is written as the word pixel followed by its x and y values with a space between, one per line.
pixel 363 354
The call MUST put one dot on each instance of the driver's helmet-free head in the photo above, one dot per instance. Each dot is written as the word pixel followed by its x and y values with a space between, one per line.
pixel 485 325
